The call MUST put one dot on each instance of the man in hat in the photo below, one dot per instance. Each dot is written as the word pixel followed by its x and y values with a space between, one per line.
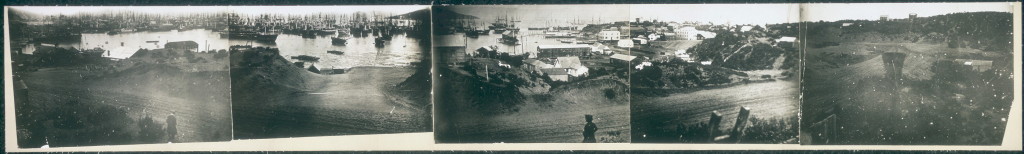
pixel 172 129
pixel 589 130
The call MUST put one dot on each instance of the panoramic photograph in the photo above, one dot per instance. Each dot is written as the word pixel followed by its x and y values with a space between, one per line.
pixel 531 74
pixel 907 74
pixel 87 76
pixel 299 71
pixel 713 73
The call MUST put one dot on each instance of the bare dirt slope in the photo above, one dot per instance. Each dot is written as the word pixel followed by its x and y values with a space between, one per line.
pixel 275 99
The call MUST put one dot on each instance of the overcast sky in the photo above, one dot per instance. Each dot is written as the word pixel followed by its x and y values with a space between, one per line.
pixel 298 10
pixel 833 12
pixel 539 15
pixel 719 13
pixel 69 10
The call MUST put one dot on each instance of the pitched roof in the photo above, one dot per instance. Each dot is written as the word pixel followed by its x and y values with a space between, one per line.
pixel 535 62
pixel 623 57
pixel 563 46
pixel 787 39
pixel 569 62
pixel 554 71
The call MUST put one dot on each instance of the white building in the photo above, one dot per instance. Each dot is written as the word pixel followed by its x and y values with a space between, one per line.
pixel 625 43
pixel 706 62
pixel 609 35
pixel 640 40
pixel 691 33
pixel 642 65
pixel 599 48
pixel 786 39
pixel 572 66
pixel 746 28
pixel 684 56
pixel 653 37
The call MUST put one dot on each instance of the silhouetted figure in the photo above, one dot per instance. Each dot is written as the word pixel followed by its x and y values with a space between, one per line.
pixel 589 130
pixel 172 129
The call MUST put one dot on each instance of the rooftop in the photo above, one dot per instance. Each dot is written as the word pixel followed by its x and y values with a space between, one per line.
pixel 554 71
pixel 569 62
pixel 563 46
pixel 623 57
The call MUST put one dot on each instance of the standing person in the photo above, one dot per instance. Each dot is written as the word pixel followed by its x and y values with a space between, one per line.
pixel 589 130
pixel 172 129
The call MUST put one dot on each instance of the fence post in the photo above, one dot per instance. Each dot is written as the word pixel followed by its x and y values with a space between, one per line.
pixel 741 124
pixel 713 125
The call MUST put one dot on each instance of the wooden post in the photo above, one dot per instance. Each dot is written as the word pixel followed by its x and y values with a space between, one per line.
pixel 713 125
pixel 741 124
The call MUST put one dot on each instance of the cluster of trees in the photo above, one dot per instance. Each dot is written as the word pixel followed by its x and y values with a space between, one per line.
pixel 757 56
pixel 677 74
pixel 731 49
pixel 514 60
pixel 990 31
pixel 46 56
pixel 716 49
pixel 499 94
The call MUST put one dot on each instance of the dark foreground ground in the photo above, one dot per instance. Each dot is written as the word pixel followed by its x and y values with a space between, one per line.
pixel 69 106
pixel 926 107
pixel 287 101
pixel 657 118
pixel 559 118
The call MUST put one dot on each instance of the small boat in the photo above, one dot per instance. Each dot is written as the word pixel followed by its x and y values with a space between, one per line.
pixel 379 42
pixel 472 34
pixel 336 52
pixel 306 58
pixel 508 40
pixel 338 41
pixel 586 42
pixel 308 34
pixel 566 41
pixel 152 41
pixel 266 36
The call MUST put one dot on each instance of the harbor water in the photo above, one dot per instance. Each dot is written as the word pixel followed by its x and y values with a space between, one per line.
pixel 358 51
pixel 123 45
